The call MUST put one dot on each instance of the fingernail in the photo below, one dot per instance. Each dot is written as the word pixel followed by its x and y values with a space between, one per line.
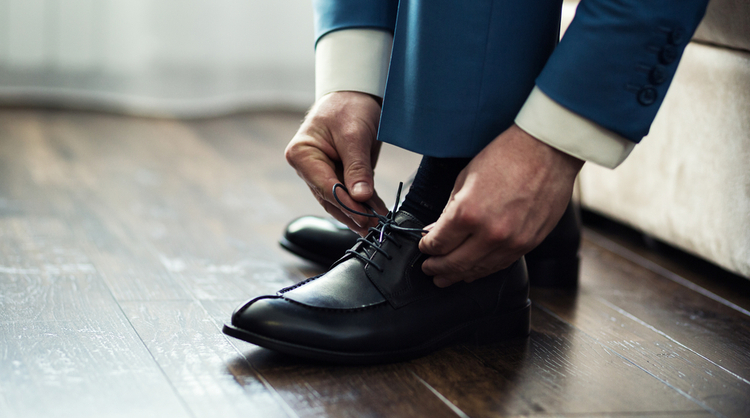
pixel 360 188
pixel 441 282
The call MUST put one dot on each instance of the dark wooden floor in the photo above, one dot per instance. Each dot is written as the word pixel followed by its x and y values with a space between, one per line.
pixel 126 243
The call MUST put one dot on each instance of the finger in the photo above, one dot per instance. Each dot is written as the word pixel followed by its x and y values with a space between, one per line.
pixel 340 216
pixel 456 265
pixel 342 199
pixel 346 217
pixel 358 173
pixel 319 172
pixel 445 235
pixel 313 164
pixel 472 260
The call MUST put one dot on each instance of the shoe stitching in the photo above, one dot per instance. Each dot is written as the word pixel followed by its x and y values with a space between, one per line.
pixel 302 283
pixel 336 310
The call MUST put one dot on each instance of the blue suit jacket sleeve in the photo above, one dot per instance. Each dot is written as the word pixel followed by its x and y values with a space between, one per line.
pixel 617 60
pixel 331 15
pixel 461 70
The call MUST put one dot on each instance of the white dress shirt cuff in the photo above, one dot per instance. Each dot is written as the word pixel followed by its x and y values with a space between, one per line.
pixel 560 128
pixel 352 60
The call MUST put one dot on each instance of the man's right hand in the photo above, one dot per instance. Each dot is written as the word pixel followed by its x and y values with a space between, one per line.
pixel 337 143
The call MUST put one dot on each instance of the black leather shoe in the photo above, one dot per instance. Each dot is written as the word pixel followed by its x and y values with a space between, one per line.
pixel 376 305
pixel 320 240
pixel 554 263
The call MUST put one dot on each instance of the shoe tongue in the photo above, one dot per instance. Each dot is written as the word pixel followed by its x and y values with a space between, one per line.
pixel 407 220
pixel 403 219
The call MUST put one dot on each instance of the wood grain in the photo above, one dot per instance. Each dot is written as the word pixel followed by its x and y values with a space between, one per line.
pixel 200 363
pixel 66 346
pixel 712 329
pixel 559 370
pixel 667 360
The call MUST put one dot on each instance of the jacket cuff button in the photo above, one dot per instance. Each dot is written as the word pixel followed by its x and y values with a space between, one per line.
pixel 647 95
pixel 668 54
pixel 658 75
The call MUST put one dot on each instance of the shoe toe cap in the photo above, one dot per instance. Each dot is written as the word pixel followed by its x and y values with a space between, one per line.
pixel 285 321
pixel 258 315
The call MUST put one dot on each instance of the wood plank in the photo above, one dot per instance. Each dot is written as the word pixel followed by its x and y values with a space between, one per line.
pixel 200 363
pixel 661 257
pixel 174 225
pixel 559 370
pixel 314 390
pixel 43 175
pixel 65 345
pixel 676 365
pixel 708 327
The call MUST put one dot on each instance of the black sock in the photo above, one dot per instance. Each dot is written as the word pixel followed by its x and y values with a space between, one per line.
pixel 432 187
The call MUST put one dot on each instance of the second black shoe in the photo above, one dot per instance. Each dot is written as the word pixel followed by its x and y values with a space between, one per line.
pixel 554 263
pixel 320 240
pixel 376 305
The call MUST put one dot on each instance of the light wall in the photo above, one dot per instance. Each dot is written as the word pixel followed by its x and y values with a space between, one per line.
pixel 163 57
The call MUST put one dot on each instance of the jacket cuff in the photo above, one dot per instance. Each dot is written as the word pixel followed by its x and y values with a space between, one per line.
pixel 352 60
pixel 560 128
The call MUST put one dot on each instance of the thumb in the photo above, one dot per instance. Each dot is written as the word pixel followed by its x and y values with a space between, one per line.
pixel 358 172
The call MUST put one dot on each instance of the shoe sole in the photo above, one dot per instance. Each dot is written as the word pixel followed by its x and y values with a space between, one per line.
pixel 514 324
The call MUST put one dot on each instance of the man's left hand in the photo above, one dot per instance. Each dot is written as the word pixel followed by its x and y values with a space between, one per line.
pixel 503 204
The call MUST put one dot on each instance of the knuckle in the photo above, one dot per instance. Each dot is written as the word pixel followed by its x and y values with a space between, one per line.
pixel 468 217
pixel 432 245
pixel 320 119
pixel 523 243
pixel 350 134
pixel 294 152
pixel 499 232
pixel 517 242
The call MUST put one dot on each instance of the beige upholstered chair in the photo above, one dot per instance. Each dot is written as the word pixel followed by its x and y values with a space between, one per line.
pixel 688 183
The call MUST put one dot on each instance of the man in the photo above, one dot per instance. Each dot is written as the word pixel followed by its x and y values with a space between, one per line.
pixel 505 124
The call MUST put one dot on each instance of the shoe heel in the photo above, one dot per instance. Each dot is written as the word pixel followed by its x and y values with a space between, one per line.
pixel 510 325
pixel 557 273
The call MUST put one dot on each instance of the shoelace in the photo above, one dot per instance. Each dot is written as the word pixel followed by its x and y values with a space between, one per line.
pixel 386 226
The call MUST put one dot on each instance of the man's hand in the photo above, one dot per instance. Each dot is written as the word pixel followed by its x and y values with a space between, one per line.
pixel 503 204
pixel 336 143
